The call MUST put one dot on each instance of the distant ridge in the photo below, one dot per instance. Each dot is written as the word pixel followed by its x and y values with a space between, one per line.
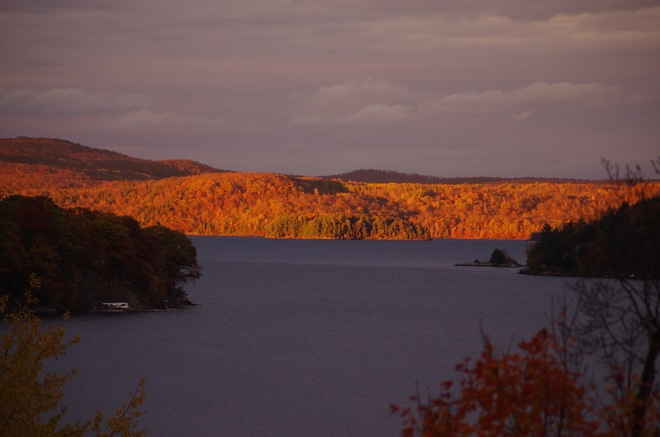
pixel 388 176
pixel 186 196
pixel 96 164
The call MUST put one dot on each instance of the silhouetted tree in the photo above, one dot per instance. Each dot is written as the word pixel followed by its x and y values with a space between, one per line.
pixel 85 257
pixel 619 318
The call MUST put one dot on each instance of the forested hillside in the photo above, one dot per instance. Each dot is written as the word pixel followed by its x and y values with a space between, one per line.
pixel 46 162
pixel 389 176
pixel 74 259
pixel 280 206
pixel 274 205
pixel 622 243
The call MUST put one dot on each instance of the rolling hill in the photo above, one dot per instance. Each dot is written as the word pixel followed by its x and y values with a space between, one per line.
pixel 394 177
pixel 198 199
pixel 52 156
pixel 390 176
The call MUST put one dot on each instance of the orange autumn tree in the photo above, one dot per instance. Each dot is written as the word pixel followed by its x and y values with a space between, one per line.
pixel 529 392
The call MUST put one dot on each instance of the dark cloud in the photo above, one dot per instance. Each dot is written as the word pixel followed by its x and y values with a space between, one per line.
pixel 63 101
pixel 56 6
pixel 322 86
pixel 462 9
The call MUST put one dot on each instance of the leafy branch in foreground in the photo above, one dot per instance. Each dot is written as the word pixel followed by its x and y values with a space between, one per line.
pixel 533 391
pixel 125 421
pixel 30 396
pixel 530 392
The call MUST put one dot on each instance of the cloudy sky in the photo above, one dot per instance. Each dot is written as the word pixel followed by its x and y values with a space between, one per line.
pixel 439 87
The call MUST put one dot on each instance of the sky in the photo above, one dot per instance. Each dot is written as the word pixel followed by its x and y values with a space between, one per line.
pixel 447 88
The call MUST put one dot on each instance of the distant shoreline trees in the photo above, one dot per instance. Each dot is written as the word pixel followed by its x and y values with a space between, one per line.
pixel 622 243
pixel 342 227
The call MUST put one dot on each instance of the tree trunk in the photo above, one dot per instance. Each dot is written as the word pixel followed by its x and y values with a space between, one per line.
pixel 646 385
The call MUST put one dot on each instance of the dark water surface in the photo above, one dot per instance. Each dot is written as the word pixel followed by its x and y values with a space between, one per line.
pixel 305 338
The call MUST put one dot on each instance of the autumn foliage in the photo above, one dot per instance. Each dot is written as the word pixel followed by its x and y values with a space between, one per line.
pixel 529 392
pixel 272 205
pixel 525 393
pixel 196 199
pixel 613 324
pixel 30 395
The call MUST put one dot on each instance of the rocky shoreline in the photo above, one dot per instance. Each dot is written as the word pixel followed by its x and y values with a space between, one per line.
pixel 478 263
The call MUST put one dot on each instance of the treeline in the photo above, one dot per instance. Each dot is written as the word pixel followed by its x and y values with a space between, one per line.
pixel 390 176
pixel 74 259
pixel 623 243
pixel 498 210
pixel 251 204
pixel 342 227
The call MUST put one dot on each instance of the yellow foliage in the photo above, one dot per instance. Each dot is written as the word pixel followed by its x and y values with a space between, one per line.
pixel 30 397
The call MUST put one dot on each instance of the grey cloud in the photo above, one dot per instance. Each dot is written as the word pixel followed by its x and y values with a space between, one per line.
pixel 520 116
pixel 251 29
pixel 371 113
pixel 535 95
pixel 124 112
pixel 64 101
pixel 356 102
pixel 145 118
pixel 368 101
pixel 542 10
pixel 49 6
pixel 459 9
pixel 450 74
pixel 379 113
pixel 355 92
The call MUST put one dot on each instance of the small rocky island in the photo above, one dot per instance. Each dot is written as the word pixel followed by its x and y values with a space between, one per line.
pixel 499 258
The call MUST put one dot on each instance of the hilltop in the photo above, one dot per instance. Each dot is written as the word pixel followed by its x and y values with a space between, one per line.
pixel 389 176
pixel 68 163
pixel 51 156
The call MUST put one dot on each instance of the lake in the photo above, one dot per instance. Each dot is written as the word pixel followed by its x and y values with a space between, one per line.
pixel 305 338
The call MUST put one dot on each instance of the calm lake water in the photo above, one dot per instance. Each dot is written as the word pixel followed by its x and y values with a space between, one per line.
pixel 305 338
